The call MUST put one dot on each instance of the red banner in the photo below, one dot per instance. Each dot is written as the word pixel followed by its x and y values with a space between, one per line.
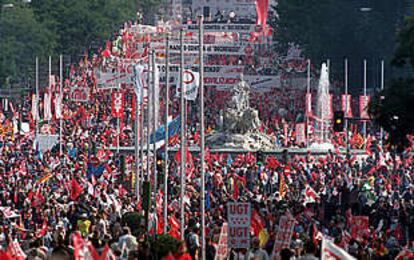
pixel 308 104
pixel 117 104
pixel 346 105
pixel 363 107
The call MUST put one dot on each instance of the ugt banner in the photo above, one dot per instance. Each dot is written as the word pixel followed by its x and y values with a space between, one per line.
pixel 239 215
pixel 117 104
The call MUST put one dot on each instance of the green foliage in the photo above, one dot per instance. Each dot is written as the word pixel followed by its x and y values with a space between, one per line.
pixel 404 55
pixel 53 27
pixel 393 110
pixel 22 38
pixel 162 245
pixel 332 29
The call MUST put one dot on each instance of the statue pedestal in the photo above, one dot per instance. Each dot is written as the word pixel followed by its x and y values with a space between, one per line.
pixel 250 141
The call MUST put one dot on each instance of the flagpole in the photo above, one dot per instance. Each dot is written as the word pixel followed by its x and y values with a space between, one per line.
pixel 37 116
pixel 60 104
pixel 382 88
pixel 137 179
pixel 154 127
pixel 307 113
pixel 167 103
pixel 182 136
pixel 202 141
pixel 148 116
pixel 346 107
pixel 365 93
pixel 50 86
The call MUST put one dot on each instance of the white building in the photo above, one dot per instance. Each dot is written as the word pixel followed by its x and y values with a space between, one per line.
pixel 210 8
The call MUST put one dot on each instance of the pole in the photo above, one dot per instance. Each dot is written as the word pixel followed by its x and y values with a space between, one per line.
pixel 202 141
pixel 61 100
pixel 346 107
pixel 148 117
pixel 365 93
pixel 137 145
pixel 382 88
pixel 307 114
pixel 37 96
pixel 154 127
pixel 147 177
pixel 182 136
pixel 167 103
pixel 50 83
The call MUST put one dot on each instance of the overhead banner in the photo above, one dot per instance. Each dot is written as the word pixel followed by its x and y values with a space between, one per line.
pixel 363 107
pixel 239 215
pixel 346 105
pixel 284 234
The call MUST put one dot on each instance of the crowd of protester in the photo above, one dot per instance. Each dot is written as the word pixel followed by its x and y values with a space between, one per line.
pixel 78 203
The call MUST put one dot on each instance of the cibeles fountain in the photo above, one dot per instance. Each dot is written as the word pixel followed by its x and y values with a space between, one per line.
pixel 239 124
pixel 323 110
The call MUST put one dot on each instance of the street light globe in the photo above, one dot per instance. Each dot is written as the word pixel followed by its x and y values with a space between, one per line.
pixel 365 9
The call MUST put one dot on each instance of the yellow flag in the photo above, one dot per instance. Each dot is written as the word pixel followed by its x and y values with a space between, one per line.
pixel 263 237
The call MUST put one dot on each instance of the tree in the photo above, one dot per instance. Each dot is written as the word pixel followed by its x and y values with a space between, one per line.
pixel 332 29
pixel 393 108
pixel 22 38
pixel 53 27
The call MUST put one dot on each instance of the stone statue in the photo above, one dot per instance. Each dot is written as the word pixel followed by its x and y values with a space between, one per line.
pixel 238 123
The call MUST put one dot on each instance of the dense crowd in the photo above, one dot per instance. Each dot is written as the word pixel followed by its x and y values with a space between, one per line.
pixel 81 201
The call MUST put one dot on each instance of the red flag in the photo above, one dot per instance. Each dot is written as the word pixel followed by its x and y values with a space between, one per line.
pixel 107 254
pixel 188 159
pixel 272 163
pixel 257 223
pixel 38 199
pixel 262 7
pixel 43 230
pixel 82 249
pixel 107 52
pixel 75 189
pixel 174 227
pixel 15 251
pixel 5 255
pixel 286 170
pixel 118 104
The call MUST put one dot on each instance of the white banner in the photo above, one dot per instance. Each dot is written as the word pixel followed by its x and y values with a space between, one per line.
pixel 46 142
pixel 284 234
pixel 239 215
pixel 222 249
pixel 191 82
